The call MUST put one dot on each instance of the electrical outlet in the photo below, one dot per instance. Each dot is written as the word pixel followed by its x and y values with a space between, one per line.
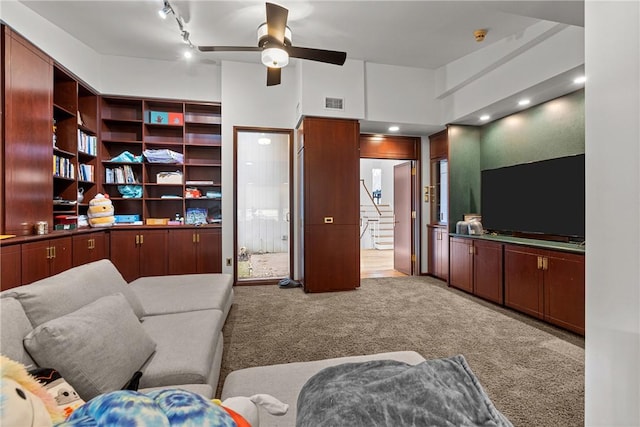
pixel 228 262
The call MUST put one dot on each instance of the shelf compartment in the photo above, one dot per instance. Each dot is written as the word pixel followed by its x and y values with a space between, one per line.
pixel 65 91
pixel 124 131
pixel 197 134
pixel 203 113
pixel 163 134
pixel 88 109
pixel 121 109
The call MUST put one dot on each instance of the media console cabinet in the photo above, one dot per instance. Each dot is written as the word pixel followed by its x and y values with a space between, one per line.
pixel 543 279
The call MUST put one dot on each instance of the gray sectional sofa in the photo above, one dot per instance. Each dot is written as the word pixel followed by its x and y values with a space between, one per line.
pixel 97 330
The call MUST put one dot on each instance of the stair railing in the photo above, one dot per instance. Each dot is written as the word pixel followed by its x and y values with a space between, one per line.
pixel 370 197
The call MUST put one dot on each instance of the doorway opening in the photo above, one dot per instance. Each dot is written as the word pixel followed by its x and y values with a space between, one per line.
pixel 263 228
pixel 378 219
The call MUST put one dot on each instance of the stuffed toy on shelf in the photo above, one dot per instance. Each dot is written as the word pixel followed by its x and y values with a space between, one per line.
pixel 101 211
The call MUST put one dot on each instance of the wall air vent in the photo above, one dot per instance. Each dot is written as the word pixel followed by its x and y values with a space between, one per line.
pixel 334 103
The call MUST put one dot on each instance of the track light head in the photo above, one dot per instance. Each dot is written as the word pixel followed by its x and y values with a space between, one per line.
pixel 185 37
pixel 165 11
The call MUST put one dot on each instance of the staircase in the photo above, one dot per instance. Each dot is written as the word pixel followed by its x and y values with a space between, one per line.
pixel 377 228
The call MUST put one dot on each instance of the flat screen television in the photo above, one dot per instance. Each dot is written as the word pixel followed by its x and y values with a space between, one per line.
pixel 544 197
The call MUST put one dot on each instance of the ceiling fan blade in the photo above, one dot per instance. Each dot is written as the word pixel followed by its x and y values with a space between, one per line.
pixel 229 49
pixel 320 55
pixel 273 76
pixel 276 22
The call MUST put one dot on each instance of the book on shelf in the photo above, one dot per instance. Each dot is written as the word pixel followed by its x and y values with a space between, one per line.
pixel 63 167
pixel 120 175
pixel 87 144
pixel 86 172
pixel 201 182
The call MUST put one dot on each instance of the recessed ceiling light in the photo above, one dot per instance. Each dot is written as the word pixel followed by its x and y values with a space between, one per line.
pixel 580 79
pixel 485 117
pixel 524 102
pixel 187 54
pixel 394 128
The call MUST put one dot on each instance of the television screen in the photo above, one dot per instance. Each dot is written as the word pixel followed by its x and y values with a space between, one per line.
pixel 545 197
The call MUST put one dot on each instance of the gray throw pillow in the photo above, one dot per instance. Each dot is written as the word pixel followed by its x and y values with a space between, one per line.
pixel 96 348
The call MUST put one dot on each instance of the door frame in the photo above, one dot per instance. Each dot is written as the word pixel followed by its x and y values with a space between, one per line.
pixel 395 147
pixel 289 132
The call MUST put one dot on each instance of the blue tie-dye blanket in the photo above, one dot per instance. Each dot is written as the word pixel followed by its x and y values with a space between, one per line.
pixel 440 392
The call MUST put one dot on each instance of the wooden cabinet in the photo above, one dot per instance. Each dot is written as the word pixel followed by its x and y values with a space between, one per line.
pixel 27 139
pixel 438 251
pixel 89 247
pixel 140 252
pixel 193 133
pixel 195 250
pixel 487 270
pixel 461 264
pixel 44 258
pixel 330 238
pixel 546 284
pixel 476 267
pixel 10 267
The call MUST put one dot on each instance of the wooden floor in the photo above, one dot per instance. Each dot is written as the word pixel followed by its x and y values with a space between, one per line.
pixel 377 263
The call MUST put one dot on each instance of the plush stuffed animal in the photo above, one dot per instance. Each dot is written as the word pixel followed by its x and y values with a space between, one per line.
pixel 23 400
pixel 100 211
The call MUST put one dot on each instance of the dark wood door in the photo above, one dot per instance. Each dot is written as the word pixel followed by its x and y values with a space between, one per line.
pixel 124 253
pixel 439 252
pixel 153 252
pixel 332 261
pixel 10 267
pixel 564 283
pixel 35 261
pixel 403 221
pixel 487 270
pixel 331 204
pixel 182 244
pixel 28 113
pixel 88 248
pixel 523 280
pixel 209 253
pixel 461 263
pixel 62 258
pixel 331 171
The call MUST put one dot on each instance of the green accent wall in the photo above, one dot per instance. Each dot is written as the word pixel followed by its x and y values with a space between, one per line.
pixel 464 172
pixel 546 131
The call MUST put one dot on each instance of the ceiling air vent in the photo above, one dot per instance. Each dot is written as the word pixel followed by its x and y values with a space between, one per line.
pixel 334 103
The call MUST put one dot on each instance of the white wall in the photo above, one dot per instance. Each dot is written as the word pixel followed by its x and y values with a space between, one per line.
pixel 400 94
pixel 248 102
pixel 612 108
pixel 464 88
pixel 320 80
pixel 181 79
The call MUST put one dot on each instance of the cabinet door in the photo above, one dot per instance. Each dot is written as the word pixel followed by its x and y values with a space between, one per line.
pixel 331 171
pixel 124 253
pixel 209 254
pixel 443 254
pixel 10 258
pixel 564 282
pixel 523 280
pixel 182 255
pixel 35 261
pixel 487 270
pixel 153 252
pixel 61 259
pixel 461 263
pixel 88 248
pixel 433 247
pixel 331 258
pixel 28 112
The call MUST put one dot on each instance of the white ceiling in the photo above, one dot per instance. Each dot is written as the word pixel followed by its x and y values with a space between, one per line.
pixel 426 34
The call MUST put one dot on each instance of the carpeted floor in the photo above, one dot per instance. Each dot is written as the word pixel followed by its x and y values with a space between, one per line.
pixel 533 372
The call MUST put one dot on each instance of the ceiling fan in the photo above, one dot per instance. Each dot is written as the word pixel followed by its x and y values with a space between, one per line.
pixel 274 41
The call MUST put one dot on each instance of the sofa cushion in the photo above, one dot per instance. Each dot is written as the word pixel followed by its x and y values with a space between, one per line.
pixel 96 348
pixel 187 292
pixel 285 381
pixel 72 289
pixel 186 344
pixel 14 326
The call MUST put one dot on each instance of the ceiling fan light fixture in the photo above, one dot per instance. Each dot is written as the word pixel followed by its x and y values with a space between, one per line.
pixel 274 57
pixel 165 11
